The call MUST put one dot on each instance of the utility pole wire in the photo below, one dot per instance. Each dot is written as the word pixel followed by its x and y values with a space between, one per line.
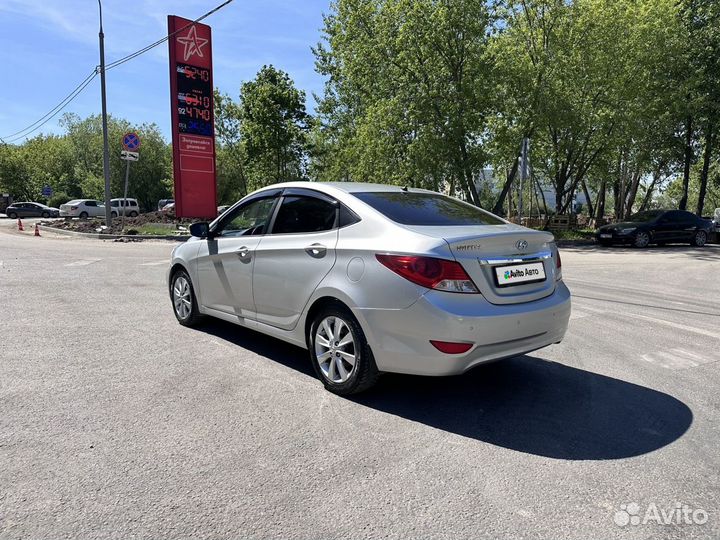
pixel 164 39
pixel 80 87
pixel 52 113
pixel 67 99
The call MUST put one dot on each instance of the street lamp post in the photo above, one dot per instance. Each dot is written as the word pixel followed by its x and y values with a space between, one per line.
pixel 106 152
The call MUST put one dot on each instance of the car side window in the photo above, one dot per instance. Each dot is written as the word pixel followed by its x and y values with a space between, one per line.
pixel 248 220
pixel 90 203
pixel 347 217
pixel 685 217
pixel 675 217
pixel 301 214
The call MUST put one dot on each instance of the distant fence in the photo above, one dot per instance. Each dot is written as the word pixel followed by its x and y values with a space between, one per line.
pixel 562 222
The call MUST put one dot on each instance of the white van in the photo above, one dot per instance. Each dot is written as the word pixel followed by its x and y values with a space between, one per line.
pixel 129 207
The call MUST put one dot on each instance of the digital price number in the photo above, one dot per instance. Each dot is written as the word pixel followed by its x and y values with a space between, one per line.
pixel 194 100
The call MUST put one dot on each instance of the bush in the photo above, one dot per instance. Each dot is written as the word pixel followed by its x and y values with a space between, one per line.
pixel 59 198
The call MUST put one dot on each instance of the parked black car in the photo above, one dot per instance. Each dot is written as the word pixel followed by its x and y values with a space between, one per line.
pixel 30 209
pixel 656 227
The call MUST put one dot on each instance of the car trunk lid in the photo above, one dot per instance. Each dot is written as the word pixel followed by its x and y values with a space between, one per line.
pixel 483 249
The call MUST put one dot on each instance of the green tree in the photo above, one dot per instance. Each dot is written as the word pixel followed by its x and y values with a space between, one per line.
pixel 232 183
pixel 407 93
pixel 150 177
pixel 273 126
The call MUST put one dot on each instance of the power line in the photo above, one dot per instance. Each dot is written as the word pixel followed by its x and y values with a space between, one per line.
pixel 164 39
pixel 52 113
pixel 54 110
pixel 80 87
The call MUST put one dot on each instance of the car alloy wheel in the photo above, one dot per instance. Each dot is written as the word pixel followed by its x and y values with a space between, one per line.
pixel 183 298
pixel 84 215
pixel 340 353
pixel 12 215
pixel 335 349
pixel 642 239
pixel 45 215
pixel 700 239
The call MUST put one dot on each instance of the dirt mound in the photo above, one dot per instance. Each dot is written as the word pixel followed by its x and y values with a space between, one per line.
pixel 97 225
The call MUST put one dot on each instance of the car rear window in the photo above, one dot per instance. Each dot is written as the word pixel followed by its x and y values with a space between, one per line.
pixel 413 208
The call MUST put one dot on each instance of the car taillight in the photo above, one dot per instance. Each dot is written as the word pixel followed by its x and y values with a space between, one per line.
pixel 439 274
pixel 558 265
pixel 451 347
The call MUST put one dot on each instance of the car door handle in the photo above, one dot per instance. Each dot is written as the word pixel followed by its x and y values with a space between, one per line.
pixel 316 250
pixel 243 252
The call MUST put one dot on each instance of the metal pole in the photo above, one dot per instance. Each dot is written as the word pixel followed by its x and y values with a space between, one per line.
pixel 523 176
pixel 124 201
pixel 106 151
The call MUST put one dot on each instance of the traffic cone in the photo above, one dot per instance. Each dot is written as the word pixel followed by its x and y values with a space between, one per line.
pixel 20 226
pixel 37 230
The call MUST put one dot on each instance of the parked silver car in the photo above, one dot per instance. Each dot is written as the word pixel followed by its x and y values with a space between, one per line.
pixel 373 278
pixel 83 209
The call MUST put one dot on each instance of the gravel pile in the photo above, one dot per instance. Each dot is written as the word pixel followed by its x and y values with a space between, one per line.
pixel 95 225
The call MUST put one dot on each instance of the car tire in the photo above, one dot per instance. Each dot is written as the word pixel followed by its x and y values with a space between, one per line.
pixel 331 361
pixel 699 239
pixel 133 214
pixel 641 240
pixel 83 215
pixel 45 215
pixel 182 294
pixel 12 215
pixel 113 215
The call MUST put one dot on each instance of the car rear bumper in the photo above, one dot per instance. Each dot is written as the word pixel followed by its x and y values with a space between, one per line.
pixel 400 338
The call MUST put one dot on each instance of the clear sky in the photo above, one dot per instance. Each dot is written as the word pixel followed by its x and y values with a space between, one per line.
pixel 50 46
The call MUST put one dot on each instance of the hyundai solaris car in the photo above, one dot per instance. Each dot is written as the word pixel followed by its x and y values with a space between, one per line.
pixel 374 278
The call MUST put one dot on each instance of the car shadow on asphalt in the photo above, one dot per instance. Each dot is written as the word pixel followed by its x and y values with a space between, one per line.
pixel 539 407
pixel 525 403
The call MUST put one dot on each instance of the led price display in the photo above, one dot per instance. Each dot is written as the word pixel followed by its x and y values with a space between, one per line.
pixel 194 100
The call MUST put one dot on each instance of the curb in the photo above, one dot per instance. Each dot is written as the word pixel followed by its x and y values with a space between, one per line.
pixel 103 236
pixel 575 243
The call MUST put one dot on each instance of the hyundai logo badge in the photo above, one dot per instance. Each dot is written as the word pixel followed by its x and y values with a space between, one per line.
pixel 521 245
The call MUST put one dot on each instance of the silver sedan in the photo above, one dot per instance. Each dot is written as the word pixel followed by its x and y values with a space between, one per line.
pixel 374 278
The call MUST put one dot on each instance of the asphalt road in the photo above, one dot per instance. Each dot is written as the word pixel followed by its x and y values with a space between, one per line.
pixel 116 422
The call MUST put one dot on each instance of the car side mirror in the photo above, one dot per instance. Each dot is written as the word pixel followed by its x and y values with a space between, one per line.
pixel 200 230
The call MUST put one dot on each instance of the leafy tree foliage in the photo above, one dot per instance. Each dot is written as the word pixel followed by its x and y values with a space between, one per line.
pixel 72 164
pixel 273 125
pixel 407 94
pixel 617 97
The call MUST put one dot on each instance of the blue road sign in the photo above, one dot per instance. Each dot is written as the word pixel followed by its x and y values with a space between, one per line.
pixel 47 191
pixel 131 142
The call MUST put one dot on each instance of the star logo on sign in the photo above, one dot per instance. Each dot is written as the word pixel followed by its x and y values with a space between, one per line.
pixel 193 44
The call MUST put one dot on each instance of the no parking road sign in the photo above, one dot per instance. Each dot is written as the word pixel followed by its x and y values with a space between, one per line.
pixel 131 142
